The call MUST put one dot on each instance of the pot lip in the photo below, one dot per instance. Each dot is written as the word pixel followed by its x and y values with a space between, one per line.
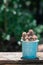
pixel 30 41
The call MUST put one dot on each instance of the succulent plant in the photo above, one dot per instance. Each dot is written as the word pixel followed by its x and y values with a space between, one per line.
pixel 29 36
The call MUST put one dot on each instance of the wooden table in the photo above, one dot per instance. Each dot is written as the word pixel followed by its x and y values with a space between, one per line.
pixel 14 58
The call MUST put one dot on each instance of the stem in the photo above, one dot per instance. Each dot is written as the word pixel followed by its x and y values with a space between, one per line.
pixel 5 22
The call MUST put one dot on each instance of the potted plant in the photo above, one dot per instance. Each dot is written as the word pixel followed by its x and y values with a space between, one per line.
pixel 29 44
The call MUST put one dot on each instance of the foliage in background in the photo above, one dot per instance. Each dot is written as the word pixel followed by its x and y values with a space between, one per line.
pixel 17 16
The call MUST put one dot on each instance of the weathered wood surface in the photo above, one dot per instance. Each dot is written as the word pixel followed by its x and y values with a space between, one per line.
pixel 14 58
pixel 16 55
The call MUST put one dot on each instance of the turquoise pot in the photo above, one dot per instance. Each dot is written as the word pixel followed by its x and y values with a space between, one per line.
pixel 29 49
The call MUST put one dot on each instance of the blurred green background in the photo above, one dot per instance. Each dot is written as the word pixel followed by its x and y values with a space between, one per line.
pixel 17 16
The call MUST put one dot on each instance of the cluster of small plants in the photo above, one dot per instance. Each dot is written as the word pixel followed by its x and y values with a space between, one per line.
pixel 29 36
